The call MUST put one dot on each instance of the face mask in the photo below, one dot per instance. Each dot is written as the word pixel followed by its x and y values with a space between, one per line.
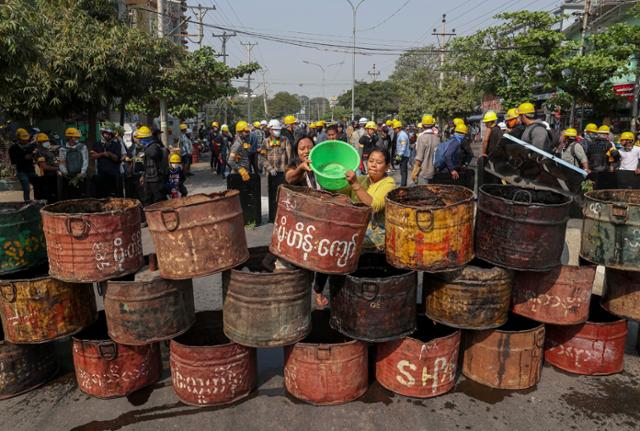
pixel 276 133
pixel 46 145
pixel 174 166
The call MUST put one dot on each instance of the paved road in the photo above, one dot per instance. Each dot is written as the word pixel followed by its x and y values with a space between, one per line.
pixel 560 401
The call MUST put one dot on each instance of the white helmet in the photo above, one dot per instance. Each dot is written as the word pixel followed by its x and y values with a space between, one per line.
pixel 363 120
pixel 274 125
pixel 263 123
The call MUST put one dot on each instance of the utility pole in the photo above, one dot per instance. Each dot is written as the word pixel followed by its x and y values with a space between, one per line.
pixel 225 37
pixel 583 30
pixel 249 46
pixel 264 93
pixel 374 73
pixel 443 39
pixel 163 102
pixel 354 8
pixel 324 70
pixel 200 11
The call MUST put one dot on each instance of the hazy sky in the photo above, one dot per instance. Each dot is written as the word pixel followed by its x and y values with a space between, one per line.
pixel 330 22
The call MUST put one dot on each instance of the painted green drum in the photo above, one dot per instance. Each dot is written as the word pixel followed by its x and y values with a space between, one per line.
pixel 611 229
pixel 22 243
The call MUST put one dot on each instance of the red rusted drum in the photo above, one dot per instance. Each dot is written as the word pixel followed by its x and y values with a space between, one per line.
pixel 198 235
pixel 318 230
pixel 326 367
pixel 622 293
pixel 24 367
pixel 91 240
pixel 593 348
pixel 376 303
pixel 509 357
pixel 206 368
pixel 521 229
pixel 559 297
pixel 422 365
pixel 106 369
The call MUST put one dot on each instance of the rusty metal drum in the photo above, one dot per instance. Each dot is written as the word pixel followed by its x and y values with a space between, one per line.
pixel 208 369
pixel 198 235
pixel 429 228
pixel 22 243
pixel 91 240
pixel 24 367
pixel 475 297
pixel 264 308
pixel 376 303
pixel 622 293
pixel 422 365
pixel 594 348
pixel 318 230
pixel 509 357
pixel 145 311
pixel 36 308
pixel 326 368
pixel 521 229
pixel 559 297
pixel 611 229
pixel 106 369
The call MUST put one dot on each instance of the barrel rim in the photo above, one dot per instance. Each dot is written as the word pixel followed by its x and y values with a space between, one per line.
pixel 516 268
pixel 349 343
pixel 212 197
pixel 471 198
pixel 590 195
pixel 483 192
pixel 314 195
pixel 46 210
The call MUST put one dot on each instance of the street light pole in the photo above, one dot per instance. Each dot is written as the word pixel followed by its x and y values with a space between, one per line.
pixel 163 102
pixel 353 62
pixel 324 69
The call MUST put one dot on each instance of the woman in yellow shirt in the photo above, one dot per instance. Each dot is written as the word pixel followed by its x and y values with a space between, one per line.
pixel 371 190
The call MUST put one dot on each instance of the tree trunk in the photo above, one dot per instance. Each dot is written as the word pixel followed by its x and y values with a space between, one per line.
pixel 123 104
pixel 91 119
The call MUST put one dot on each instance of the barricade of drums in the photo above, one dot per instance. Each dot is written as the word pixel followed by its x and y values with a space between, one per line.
pixel 495 297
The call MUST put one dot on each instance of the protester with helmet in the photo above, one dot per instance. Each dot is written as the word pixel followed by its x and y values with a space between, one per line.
pixel 367 143
pixel 426 144
pixel 21 156
pixel 156 166
pixel 589 135
pixel 403 151
pixel 320 131
pixel 107 155
pixel 358 132
pixel 490 143
pixel 74 162
pixel 512 120
pixel 175 178
pixel 628 154
pixel 186 149
pixel 226 140
pixel 448 157
pixel 289 129
pixel 277 154
pixel 571 151
pixel 535 132
pixel 46 183
pixel 238 158
pixel 213 141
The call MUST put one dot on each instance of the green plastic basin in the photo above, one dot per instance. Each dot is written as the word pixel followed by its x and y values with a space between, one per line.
pixel 330 160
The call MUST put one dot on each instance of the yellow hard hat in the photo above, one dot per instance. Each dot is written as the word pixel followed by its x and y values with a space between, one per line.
pixel 72 132
pixel 526 108
pixel 419 125
pixel 175 158
pixel 215 124
pixel 604 130
pixel 42 137
pixel 224 128
pixel 256 124
pixel 461 128
pixel 571 133
pixel 396 124
pixel 458 121
pixel 371 125
pixel 242 126
pixel 22 134
pixel 289 119
pixel 428 120
pixel 388 122
pixel 591 128
pixel 489 116
pixel 321 123
pixel 627 136
pixel 183 126
pixel 143 132
pixel 511 114
pixel 312 125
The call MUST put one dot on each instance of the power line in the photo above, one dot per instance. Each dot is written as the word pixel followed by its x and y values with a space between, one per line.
pixel 387 18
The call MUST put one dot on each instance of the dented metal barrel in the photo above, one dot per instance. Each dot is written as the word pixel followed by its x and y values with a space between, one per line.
pixel 106 369
pixel 146 311
pixel 264 308
pixel 36 308
pixel 622 293
pixel 24 367
pixel 429 228
pixel 206 368
pixel 559 297
pixel 198 235
pixel 475 297
pixel 326 368
pixel 376 303
pixel 611 229
pixel 22 243
pixel 422 365
pixel 318 230
pixel 594 348
pixel 521 229
pixel 509 357
pixel 91 240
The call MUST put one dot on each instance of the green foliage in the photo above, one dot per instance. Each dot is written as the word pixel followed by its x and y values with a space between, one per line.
pixel 283 103
pixel 375 99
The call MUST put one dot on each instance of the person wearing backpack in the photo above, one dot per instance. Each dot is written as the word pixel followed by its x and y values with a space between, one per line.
pixel 426 145
pixel 571 151
pixel 535 132
pixel 448 157
pixel 74 161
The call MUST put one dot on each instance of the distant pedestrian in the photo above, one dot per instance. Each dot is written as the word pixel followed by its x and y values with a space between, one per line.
pixel 74 162
pixel 46 184
pixel 155 167
pixel 21 156
pixel 107 155
pixel 403 151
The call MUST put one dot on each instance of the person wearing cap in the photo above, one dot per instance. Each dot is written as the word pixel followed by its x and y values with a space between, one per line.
pixel 627 156
pixel 367 143
pixel 289 129
pixel 358 132
pixel 321 131
pixel 213 141
pixel 45 186
pixel 512 120
pixel 589 135
pixel 256 137
pixel 453 158
pixel 21 156
pixel 226 140
pixel 535 132
pixel 490 143
pixel 238 158
pixel 186 149
pixel 107 155
pixel 156 166
pixel 277 154
pixel 74 162
pixel 403 151
pixel 598 149
pixel 426 144
pixel 571 151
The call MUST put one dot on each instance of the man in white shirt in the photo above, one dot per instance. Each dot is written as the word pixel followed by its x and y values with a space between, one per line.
pixel 629 154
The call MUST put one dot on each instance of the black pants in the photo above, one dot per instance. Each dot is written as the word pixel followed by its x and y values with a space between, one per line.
pixel 106 186
pixel 46 188
pixel 404 171
pixel 70 191
pixel 132 187
pixel 274 182
pixel 153 192
pixel 253 159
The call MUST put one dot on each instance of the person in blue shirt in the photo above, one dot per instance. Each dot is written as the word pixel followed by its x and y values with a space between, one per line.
pixel 403 151
pixel 453 155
